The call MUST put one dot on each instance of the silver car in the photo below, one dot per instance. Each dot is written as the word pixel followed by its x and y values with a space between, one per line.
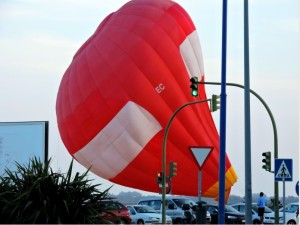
pixel 255 218
pixel 290 215
pixel 142 214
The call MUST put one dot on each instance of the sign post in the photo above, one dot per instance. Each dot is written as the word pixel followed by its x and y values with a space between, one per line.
pixel 200 155
pixel 283 171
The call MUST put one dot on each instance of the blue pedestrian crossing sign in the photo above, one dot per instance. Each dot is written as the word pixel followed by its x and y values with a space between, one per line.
pixel 283 170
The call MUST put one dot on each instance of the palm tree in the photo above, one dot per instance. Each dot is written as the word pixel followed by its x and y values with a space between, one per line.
pixel 35 194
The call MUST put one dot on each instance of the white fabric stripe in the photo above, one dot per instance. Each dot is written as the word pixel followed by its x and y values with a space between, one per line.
pixel 119 142
pixel 191 53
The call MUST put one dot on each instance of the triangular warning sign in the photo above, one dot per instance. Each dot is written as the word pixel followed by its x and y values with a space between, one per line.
pixel 283 171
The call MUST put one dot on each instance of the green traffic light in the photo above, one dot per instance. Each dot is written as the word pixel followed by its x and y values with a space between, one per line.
pixel 194 93
pixel 266 168
pixel 194 86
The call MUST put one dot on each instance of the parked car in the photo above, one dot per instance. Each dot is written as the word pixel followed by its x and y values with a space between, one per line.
pixel 115 212
pixel 231 214
pixel 255 218
pixel 291 213
pixel 174 206
pixel 173 210
pixel 143 214
pixel 270 218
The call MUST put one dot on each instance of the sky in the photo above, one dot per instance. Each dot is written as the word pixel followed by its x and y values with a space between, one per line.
pixel 38 40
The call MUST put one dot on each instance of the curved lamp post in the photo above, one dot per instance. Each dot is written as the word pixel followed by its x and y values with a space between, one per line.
pixel 275 139
pixel 164 156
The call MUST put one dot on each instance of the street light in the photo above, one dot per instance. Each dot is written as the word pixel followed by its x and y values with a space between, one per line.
pixel 163 194
pixel 159 178
pixel 172 169
pixel 194 86
pixel 276 208
pixel 267 161
pixel 215 103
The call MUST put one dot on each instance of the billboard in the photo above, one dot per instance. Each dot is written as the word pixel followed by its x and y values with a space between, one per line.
pixel 20 141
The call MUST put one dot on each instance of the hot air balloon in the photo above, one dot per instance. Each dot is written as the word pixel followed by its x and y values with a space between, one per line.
pixel 120 90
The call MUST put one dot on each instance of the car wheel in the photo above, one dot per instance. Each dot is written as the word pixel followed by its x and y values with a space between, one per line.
pixel 140 222
pixel 291 222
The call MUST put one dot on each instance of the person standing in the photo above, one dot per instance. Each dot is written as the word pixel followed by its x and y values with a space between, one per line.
pixel 262 201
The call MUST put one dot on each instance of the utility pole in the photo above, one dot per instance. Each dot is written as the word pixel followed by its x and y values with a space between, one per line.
pixel 275 139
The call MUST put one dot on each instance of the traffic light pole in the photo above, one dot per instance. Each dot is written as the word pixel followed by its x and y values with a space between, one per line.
pixel 276 208
pixel 163 194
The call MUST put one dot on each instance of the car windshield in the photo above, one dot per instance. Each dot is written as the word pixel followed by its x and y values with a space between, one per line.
pixel 180 201
pixel 229 208
pixel 109 205
pixel 290 208
pixel 144 209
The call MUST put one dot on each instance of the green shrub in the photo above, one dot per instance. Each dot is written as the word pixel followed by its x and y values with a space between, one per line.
pixel 35 194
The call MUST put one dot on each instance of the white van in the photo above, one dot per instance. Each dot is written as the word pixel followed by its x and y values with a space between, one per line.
pixel 173 208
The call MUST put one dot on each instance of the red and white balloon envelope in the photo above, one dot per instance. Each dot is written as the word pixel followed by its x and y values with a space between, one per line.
pixel 120 90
